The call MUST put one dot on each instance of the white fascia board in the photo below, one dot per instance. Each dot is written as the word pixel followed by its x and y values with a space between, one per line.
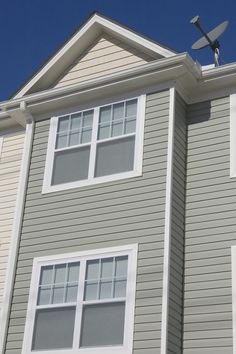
pixel 135 38
pixel 55 58
pixel 92 25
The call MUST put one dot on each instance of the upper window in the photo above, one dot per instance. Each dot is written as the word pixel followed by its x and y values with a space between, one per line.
pixel 82 304
pixel 95 145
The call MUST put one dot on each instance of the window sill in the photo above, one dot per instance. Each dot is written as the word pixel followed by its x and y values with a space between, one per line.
pixel 102 350
pixel 111 178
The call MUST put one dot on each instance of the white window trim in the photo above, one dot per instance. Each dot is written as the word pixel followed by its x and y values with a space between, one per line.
pixel 131 251
pixel 138 154
pixel 233 265
pixel 233 135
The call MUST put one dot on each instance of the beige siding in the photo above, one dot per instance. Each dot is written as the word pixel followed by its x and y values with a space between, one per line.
pixel 105 56
pixel 109 214
pixel 210 231
pixel 10 161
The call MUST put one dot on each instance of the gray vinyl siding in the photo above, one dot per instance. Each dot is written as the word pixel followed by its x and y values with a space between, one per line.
pixel 175 315
pixel 110 214
pixel 210 231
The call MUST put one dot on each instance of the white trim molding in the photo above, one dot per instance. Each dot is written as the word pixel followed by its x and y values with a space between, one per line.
pixel 80 300
pixel 15 237
pixel 233 135
pixel 167 235
pixel 1 145
pixel 233 268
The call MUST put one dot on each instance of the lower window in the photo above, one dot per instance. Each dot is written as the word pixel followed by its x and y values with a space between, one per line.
pixel 82 303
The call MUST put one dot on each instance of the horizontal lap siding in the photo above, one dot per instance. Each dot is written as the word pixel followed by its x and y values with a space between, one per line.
pixel 10 161
pixel 210 230
pixel 105 56
pixel 110 214
pixel 177 230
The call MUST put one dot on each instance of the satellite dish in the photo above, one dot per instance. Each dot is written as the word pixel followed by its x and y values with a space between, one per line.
pixel 209 39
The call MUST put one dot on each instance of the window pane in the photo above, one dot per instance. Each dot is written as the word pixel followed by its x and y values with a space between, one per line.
pixel 92 270
pixel 107 268
pixel 121 266
pixel 74 138
pixel 75 121
pixel 117 129
pixel 86 136
pixel 63 124
pixel 71 165
pixel 91 291
pixel 88 119
pixel 130 126
pixel 104 131
pixel 114 157
pixel 60 273
pixel 105 290
pixel 131 108
pixel 71 293
pixel 44 295
pixel 58 294
pixel 73 272
pixel 53 328
pixel 118 111
pixel 102 325
pixel 61 141
pixel 105 114
pixel 46 275
pixel 120 288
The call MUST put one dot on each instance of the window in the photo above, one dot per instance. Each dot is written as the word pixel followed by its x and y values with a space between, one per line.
pixel 82 303
pixel 95 145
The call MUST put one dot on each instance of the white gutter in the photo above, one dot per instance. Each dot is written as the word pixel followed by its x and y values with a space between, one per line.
pixel 17 223
pixel 182 58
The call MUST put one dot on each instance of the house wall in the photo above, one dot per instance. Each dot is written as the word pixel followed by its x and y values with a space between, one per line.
pixel 210 231
pixel 11 146
pixel 176 282
pixel 106 56
pixel 110 214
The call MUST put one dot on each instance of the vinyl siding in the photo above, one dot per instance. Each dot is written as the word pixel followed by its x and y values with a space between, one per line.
pixel 106 56
pixel 10 161
pixel 175 316
pixel 110 214
pixel 210 230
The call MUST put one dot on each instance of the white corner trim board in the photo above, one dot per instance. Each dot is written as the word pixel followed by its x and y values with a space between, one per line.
pixel 167 235
pixel 1 145
pixel 233 135
pixel 233 264
pixel 15 237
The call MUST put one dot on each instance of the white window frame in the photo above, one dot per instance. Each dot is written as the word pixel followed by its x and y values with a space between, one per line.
pixel 126 348
pixel 138 153
pixel 233 135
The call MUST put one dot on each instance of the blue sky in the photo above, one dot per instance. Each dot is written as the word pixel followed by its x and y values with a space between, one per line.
pixel 32 30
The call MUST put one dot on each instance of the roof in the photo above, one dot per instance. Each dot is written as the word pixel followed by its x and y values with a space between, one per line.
pixel 79 41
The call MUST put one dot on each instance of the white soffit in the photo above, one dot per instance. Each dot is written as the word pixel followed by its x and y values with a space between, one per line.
pixel 95 26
